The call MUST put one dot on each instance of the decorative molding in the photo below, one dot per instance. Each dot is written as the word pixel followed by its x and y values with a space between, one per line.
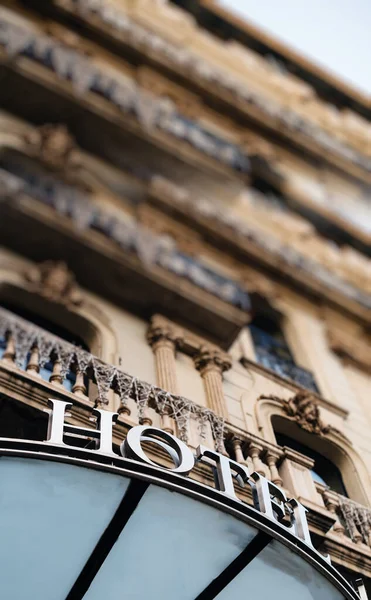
pixel 52 145
pixel 151 249
pixel 188 104
pixel 187 240
pixel 303 408
pixel 295 108
pixel 245 235
pixel 54 281
pixel 85 76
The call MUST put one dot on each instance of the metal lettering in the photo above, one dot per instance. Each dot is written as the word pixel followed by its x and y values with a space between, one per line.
pixel 272 501
pixel 180 453
pixel 102 435
pixel 361 589
pixel 224 470
pixel 300 525
pixel 268 497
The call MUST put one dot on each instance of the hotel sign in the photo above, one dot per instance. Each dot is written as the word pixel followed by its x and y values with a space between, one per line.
pixel 268 498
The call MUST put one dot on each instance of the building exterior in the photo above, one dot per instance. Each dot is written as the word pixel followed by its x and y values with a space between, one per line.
pixel 185 228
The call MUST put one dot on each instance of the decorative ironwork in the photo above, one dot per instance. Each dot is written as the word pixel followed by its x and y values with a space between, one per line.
pixel 22 338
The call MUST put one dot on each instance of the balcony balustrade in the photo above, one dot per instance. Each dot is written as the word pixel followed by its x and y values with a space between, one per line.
pixel 88 380
pixel 345 518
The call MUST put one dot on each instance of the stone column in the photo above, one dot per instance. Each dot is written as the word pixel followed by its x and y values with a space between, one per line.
pixel 162 337
pixel 211 362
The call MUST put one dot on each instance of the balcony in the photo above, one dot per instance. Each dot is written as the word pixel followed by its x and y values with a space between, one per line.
pixel 274 355
pixel 38 365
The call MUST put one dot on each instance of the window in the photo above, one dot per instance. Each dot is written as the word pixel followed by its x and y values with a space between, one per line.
pixel 324 471
pixel 273 352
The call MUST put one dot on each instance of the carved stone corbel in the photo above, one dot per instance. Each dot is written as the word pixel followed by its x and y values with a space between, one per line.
pixel 185 102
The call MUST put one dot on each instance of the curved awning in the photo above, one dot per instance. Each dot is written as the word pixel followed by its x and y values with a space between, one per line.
pixel 73 527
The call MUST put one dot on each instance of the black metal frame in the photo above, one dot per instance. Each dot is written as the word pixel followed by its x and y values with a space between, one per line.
pixel 142 476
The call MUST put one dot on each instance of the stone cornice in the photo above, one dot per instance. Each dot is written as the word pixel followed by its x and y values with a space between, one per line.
pixel 128 233
pixel 291 120
pixel 87 76
pixel 303 269
pixel 247 240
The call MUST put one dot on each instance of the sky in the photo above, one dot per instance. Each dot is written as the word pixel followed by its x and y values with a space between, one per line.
pixel 336 34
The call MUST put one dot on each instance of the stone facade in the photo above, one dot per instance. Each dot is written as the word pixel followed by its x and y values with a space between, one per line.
pixel 146 229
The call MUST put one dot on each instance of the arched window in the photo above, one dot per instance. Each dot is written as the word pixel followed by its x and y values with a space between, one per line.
pixel 324 470
pixel 272 350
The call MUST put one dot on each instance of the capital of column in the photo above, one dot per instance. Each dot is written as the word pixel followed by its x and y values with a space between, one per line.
pixel 162 333
pixel 209 358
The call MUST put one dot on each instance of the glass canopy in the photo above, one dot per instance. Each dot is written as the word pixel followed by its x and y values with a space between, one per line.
pixel 69 532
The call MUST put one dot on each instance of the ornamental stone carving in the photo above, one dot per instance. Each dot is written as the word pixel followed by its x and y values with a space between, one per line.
pixel 55 282
pixel 303 408
pixel 209 358
pixel 53 145
pixel 161 330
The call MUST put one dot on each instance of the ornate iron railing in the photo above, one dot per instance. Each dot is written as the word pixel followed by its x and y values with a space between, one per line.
pixel 48 357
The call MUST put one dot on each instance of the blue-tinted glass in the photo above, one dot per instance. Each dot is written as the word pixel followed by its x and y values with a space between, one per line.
pixel 51 517
pixel 280 574
pixel 171 548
